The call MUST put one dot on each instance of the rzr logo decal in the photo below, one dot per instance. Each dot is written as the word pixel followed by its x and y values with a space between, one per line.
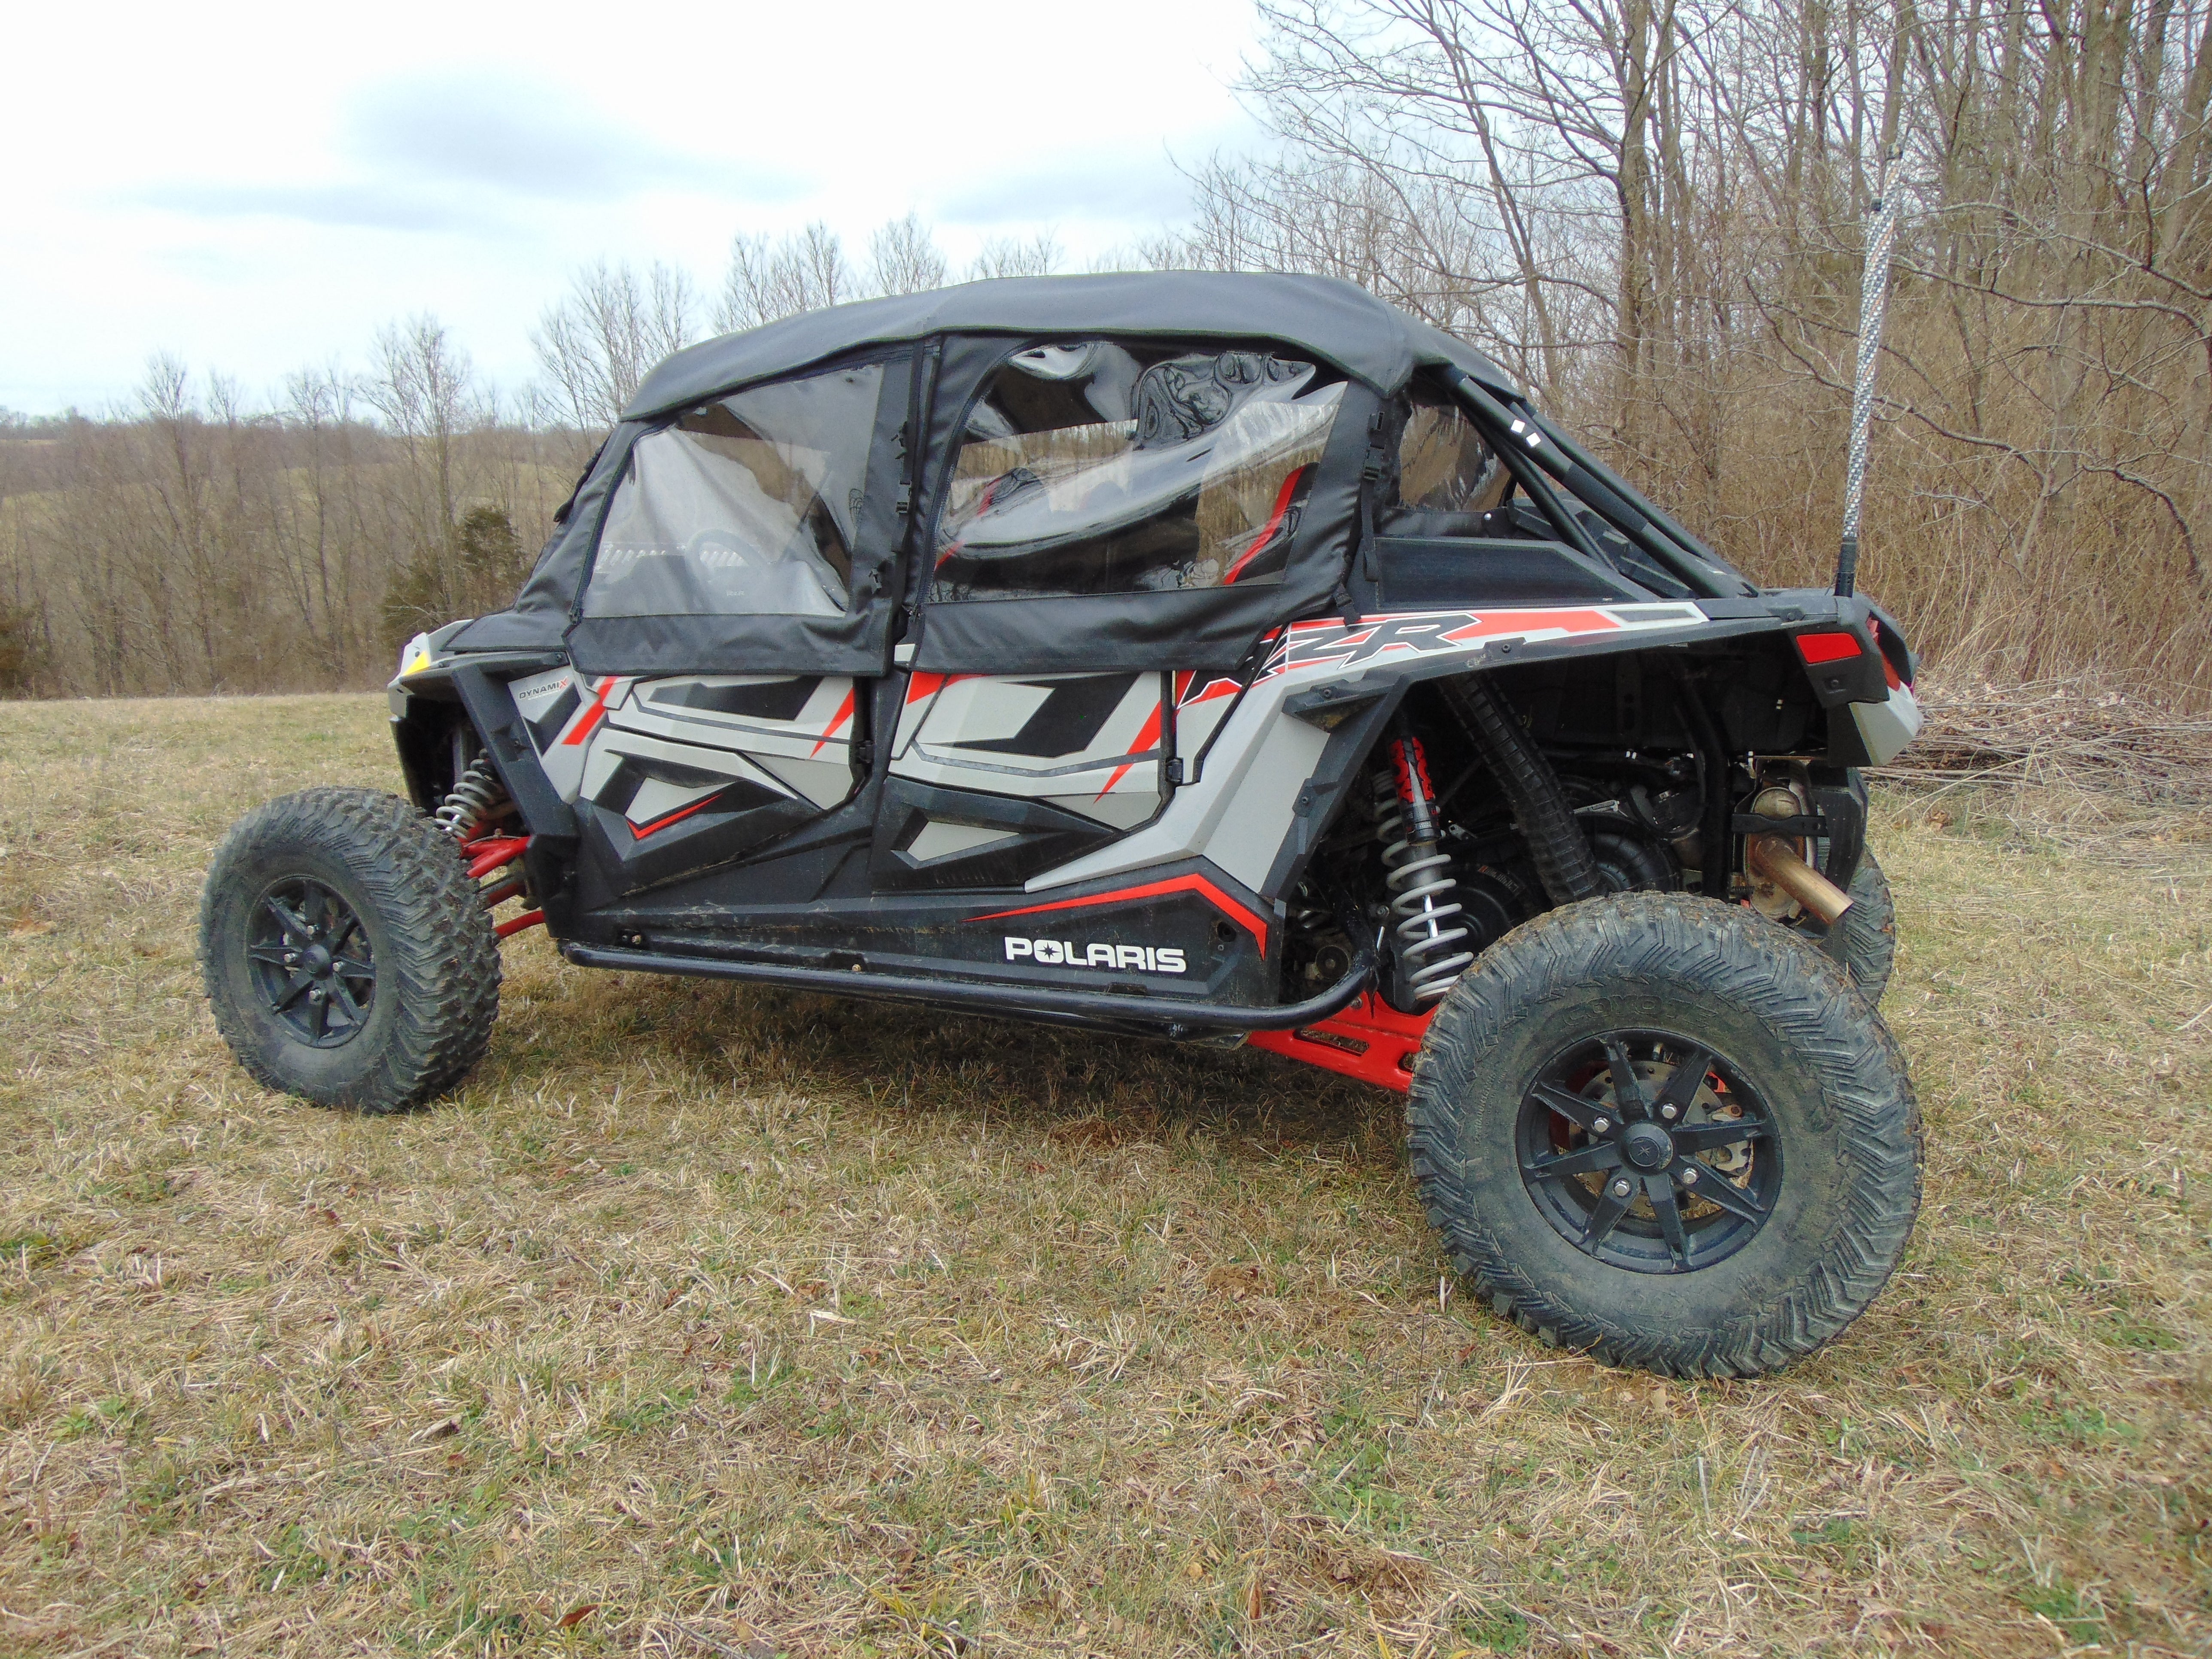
pixel 1330 643
pixel 1074 953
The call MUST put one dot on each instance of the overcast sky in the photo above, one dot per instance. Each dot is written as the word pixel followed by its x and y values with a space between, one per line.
pixel 257 189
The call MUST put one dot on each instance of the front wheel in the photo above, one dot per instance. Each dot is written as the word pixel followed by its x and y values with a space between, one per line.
pixel 1652 1127
pixel 347 958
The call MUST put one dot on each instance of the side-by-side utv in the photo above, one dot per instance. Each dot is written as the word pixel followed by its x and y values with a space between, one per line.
pixel 1200 656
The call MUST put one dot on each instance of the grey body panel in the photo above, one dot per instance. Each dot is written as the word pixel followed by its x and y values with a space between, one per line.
pixel 585 727
pixel 997 734
pixel 1886 727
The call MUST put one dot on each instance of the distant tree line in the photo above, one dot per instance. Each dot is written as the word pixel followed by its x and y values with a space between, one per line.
pixel 1651 210
pixel 194 541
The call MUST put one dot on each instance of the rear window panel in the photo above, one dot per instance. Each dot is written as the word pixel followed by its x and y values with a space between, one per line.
pixel 743 506
pixel 1098 467
pixel 1452 484
pixel 1444 463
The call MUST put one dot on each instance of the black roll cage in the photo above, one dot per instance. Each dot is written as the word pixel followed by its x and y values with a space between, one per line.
pixel 1521 436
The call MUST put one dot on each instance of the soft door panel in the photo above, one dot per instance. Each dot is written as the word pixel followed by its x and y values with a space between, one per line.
pixel 797 727
pixel 718 764
pixel 1090 744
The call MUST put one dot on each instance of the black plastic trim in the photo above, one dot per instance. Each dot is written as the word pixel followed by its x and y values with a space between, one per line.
pixel 1430 572
pixel 1048 836
pixel 507 740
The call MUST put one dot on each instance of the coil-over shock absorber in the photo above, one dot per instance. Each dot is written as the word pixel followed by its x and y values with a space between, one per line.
pixel 477 796
pixel 1425 932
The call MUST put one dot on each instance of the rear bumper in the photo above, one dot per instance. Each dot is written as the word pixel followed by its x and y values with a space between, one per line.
pixel 1885 728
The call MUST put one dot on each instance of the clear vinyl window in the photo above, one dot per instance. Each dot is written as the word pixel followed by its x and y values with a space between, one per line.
pixel 1103 468
pixel 1447 474
pixel 744 506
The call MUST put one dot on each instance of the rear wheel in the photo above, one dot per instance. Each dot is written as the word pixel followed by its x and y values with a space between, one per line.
pixel 1653 1128
pixel 1870 929
pixel 347 958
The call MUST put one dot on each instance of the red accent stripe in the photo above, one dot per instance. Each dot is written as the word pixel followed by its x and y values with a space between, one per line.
pixel 1229 906
pixel 919 686
pixel 640 834
pixel 844 713
pixel 1274 522
pixel 1145 739
pixel 1526 622
pixel 592 715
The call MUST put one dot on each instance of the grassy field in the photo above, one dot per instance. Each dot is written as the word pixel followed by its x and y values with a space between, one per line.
pixel 707 1320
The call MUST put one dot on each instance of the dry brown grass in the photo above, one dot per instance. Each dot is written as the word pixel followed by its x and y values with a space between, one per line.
pixel 2084 735
pixel 708 1321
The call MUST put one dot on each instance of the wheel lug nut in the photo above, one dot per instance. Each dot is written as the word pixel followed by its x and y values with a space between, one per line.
pixel 1689 1177
pixel 1601 1125
pixel 1621 1189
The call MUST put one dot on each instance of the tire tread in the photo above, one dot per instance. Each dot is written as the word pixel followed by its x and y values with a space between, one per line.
pixel 1667 938
pixel 446 973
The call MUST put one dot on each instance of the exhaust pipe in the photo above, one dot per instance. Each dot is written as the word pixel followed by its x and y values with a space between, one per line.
pixel 1772 858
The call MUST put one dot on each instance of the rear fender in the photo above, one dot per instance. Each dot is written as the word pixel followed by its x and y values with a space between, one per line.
pixel 1279 767
pixel 1862 670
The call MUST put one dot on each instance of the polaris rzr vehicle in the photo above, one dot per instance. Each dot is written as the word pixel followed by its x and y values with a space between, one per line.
pixel 1209 658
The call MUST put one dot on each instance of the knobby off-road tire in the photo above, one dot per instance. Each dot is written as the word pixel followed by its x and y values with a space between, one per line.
pixel 1870 929
pixel 1772 1046
pixel 353 895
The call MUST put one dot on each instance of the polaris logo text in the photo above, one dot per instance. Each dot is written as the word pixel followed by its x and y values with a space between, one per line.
pixel 1059 953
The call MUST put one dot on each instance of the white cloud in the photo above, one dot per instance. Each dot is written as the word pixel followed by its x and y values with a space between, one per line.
pixel 256 188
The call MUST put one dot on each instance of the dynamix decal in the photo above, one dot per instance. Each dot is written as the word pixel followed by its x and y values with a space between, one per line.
pixel 1414 633
pixel 1073 954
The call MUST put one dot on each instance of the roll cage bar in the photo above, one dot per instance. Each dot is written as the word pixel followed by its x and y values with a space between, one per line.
pixel 1521 436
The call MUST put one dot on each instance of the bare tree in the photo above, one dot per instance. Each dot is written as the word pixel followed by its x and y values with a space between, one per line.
pixel 596 344
pixel 904 257
pixel 806 271
pixel 1651 210
pixel 423 387
pixel 1012 256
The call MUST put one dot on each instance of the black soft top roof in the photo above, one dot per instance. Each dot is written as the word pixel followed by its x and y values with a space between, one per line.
pixel 1367 338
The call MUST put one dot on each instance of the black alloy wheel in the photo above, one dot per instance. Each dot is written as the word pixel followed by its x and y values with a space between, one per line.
pixel 1650 1152
pixel 348 959
pixel 1658 1129
pixel 311 961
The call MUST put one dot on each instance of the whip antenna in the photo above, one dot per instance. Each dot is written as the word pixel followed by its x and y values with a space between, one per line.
pixel 1874 300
